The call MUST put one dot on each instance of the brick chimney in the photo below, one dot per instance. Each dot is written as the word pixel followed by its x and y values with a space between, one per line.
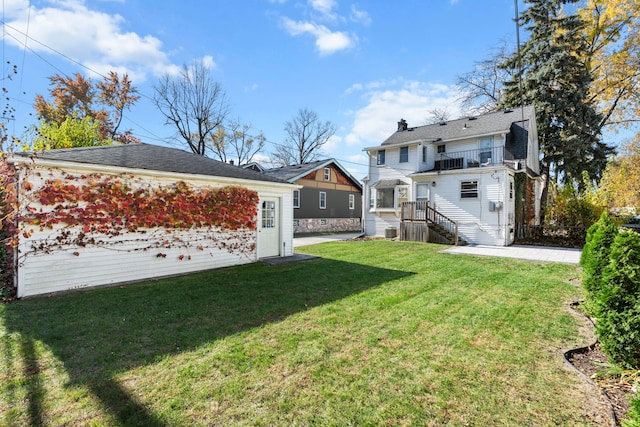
pixel 402 125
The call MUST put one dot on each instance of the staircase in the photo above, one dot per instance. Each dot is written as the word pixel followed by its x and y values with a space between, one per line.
pixel 422 223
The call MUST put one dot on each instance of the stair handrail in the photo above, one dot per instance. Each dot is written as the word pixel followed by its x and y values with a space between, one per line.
pixel 421 211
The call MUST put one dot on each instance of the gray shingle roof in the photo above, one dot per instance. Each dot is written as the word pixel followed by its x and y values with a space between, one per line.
pixel 485 124
pixel 286 173
pixel 152 157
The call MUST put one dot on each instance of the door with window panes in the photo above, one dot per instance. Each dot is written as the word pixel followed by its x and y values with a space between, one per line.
pixel 268 228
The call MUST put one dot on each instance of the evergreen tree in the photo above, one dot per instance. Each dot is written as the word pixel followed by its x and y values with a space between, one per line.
pixel 550 72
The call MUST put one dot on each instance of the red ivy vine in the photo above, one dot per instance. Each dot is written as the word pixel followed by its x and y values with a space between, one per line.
pixel 91 210
pixel 109 205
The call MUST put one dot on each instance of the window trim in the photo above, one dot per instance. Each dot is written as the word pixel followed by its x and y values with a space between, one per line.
pixel 296 200
pixel 381 157
pixel 322 200
pixel 352 201
pixel 327 174
pixel 441 148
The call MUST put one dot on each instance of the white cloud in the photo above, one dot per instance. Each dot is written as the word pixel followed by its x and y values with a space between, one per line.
pixel 327 41
pixel 95 39
pixel 412 101
pixel 360 16
pixel 325 7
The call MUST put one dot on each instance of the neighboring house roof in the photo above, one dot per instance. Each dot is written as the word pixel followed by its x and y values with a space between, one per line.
pixel 151 157
pixel 294 172
pixel 486 124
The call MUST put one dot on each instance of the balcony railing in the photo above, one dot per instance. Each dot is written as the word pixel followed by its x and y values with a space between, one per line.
pixel 473 158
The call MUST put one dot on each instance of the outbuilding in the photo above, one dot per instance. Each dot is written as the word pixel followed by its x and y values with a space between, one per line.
pixel 108 215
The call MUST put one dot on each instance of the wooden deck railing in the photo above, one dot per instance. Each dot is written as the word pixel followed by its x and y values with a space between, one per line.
pixel 422 212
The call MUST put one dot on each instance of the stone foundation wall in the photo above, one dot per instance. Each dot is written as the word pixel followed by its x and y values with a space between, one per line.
pixel 323 225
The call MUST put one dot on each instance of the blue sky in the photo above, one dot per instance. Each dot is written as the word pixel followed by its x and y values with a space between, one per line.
pixel 361 64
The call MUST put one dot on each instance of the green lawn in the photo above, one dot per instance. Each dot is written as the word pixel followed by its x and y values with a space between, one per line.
pixel 370 333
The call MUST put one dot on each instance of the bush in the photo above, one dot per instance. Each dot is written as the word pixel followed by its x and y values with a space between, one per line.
pixel 595 254
pixel 617 303
pixel 634 414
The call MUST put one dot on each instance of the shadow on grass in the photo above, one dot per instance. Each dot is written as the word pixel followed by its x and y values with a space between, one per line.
pixel 98 333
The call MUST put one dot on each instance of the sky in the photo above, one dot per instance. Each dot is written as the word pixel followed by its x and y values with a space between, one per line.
pixel 362 64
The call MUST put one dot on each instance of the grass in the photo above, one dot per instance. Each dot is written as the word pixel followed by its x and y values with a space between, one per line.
pixel 370 333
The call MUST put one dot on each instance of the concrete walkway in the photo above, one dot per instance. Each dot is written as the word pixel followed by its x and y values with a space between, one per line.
pixel 312 240
pixel 531 253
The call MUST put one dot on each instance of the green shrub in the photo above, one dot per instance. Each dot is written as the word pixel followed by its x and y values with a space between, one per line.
pixel 595 254
pixel 634 414
pixel 618 302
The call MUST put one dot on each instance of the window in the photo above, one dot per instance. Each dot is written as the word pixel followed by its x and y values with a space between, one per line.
pixel 381 157
pixel 384 197
pixel 323 221
pixel 486 148
pixel 296 222
pixel 403 195
pixel 372 200
pixel 323 200
pixel 469 190
pixel 404 154
pixel 441 148
pixel 296 198
pixel 422 192
pixel 268 214
pixel 424 154
pixel 327 174
pixel 352 201
pixel 510 190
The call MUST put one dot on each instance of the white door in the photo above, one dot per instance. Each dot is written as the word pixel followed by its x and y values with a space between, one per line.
pixel 269 228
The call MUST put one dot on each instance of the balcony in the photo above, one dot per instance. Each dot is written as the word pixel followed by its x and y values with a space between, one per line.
pixel 474 159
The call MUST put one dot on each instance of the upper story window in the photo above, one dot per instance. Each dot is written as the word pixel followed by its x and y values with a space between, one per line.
pixel 424 154
pixel 381 157
pixel 486 150
pixel 469 190
pixel 352 201
pixel 404 154
pixel 327 174
pixel 296 198
pixel 441 148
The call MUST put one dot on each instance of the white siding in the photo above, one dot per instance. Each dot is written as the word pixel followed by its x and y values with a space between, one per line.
pixel 139 255
pixel 477 223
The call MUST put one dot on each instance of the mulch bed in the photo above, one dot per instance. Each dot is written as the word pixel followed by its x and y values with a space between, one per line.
pixel 589 361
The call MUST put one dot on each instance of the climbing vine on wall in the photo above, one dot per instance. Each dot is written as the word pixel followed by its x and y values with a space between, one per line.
pixel 94 210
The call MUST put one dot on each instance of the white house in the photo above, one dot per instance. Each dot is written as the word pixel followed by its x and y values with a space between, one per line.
pixel 107 215
pixel 481 172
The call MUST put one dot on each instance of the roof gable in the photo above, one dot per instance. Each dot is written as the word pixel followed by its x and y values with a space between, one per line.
pixel 294 172
pixel 151 157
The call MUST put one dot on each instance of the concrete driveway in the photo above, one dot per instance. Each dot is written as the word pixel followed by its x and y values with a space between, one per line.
pixel 531 253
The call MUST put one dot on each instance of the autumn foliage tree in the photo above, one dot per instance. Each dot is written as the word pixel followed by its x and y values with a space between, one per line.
pixel 620 185
pixel 77 101
pixel 234 142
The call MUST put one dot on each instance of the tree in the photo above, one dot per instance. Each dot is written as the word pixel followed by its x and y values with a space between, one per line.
pixel 194 103
pixel 72 132
pixel 79 98
pixel 305 136
pixel 438 115
pixel 620 185
pixel 235 143
pixel 550 72
pixel 482 87
pixel 612 40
